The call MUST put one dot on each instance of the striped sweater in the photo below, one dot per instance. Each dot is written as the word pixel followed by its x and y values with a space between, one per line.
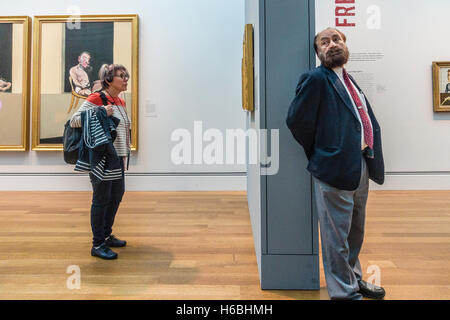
pixel 123 140
pixel 97 154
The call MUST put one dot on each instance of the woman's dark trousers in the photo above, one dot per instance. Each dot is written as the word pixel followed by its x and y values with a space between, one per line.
pixel 106 199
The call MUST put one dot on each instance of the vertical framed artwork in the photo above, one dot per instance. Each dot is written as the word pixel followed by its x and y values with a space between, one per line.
pixel 68 53
pixel 14 82
pixel 441 86
pixel 247 70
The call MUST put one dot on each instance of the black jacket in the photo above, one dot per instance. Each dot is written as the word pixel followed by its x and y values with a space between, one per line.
pixel 323 120
pixel 97 153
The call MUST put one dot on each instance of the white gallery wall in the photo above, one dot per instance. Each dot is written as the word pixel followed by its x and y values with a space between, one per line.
pixel 190 65
pixel 393 45
pixel 190 62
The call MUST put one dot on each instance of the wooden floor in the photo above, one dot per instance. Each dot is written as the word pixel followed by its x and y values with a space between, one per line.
pixel 199 245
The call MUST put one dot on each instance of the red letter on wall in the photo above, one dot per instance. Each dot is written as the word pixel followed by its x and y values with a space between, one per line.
pixel 343 11
pixel 345 23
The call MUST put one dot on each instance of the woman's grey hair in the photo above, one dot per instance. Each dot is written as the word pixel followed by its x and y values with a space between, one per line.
pixel 108 71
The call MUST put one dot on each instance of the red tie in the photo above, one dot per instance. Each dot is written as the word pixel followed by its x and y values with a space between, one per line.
pixel 368 134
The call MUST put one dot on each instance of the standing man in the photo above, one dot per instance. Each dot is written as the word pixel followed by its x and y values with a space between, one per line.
pixel 331 118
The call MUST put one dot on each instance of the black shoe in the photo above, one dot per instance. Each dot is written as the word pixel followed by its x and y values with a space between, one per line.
pixel 103 252
pixel 371 291
pixel 114 242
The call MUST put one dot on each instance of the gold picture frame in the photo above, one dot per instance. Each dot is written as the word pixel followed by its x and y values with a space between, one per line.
pixel 15 90
pixel 58 42
pixel 248 70
pixel 441 86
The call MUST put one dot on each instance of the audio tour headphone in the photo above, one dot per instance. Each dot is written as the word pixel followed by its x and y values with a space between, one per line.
pixel 109 77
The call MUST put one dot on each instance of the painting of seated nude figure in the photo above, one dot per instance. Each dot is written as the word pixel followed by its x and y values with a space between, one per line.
pixel 6 34
pixel 79 74
pixel 68 58
pixel 86 49
pixel 445 96
pixel 14 81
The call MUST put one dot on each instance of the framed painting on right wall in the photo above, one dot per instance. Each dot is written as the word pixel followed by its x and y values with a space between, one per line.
pixel 441 86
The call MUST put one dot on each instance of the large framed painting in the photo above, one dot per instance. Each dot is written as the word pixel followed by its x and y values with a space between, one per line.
pixel 441 86
pixel 68 53
pixel 14 82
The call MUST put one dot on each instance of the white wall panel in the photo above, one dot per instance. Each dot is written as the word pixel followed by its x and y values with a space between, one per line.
pixel 411 36
pixel 190 64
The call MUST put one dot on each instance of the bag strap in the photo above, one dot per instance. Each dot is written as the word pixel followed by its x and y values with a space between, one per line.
pixel 103 97
pixel 105 103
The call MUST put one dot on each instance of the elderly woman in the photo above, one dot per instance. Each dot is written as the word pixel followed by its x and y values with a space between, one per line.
pixel 107 195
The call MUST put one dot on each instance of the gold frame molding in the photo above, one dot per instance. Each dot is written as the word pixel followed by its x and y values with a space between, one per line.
pixel 437 106
pixel 248 70
pixel 26 21
pixel 38 21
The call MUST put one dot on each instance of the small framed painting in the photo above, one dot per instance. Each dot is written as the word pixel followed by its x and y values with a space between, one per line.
pixel 441 86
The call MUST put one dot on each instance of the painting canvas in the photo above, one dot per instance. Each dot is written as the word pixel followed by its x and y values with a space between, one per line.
pixel 67 60
pixel 86 49
pixel 6 33
pixel 445 86
pixel 14 83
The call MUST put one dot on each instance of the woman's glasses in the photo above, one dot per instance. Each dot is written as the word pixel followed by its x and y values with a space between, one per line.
pixel 124 76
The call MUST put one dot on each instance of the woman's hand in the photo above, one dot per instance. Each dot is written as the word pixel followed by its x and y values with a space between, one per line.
pixel 109 110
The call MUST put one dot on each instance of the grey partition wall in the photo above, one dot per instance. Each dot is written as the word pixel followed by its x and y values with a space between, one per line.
pixel 283 223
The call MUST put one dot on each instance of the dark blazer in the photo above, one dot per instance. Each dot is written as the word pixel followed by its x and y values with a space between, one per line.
pixel 323 120
pixel 97 153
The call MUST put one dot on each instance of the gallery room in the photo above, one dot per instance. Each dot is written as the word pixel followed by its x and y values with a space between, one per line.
pixel 224 150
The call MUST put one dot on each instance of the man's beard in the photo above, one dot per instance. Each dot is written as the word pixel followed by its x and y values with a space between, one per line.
pixel 334 58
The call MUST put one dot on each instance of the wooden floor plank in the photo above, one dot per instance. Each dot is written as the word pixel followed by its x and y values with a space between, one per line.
pixel 199 245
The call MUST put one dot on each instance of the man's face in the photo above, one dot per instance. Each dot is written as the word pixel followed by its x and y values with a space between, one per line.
pixel 331 49
pixel 84 60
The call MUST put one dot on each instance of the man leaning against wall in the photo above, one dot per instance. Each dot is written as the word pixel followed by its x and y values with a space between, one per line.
pixel 333 121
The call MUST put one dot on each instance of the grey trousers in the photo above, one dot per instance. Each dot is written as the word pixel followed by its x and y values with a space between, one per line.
pixel 341 217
